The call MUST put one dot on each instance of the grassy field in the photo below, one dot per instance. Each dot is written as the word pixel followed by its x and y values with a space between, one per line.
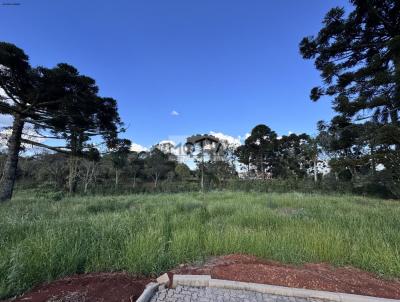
pixel 42 239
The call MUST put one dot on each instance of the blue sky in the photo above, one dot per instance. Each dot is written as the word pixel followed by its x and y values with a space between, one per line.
pixel 223 65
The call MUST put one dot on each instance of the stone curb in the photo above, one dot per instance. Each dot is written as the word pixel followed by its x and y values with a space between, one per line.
pixel 205 280
pixel 148 292
pixel 294 292
pixel 191 280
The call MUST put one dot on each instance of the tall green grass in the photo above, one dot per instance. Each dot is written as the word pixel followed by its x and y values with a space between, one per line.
pixel 42 239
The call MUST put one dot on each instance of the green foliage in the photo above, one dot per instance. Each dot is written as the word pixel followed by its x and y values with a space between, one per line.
pixel 42 240
pixel 265 155
pixel 182 171
pixel 56 102
pixel 358 57
pixel 261 146
pixel 120 152
pixel 157 164
pixel 291 162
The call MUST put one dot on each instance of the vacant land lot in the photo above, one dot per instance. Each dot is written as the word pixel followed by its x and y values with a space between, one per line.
pixel 42 239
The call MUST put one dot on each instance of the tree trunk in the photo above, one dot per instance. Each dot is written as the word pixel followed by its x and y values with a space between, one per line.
pixel 134 181
pixel 315 170
pixel 202 177
pixel 395 121
pixel 262 168
pixel 87 179
pixel 202 169
pixel 7 180
pixel 155 180
pixel 116 178
pixel 394 117
pixel 90 175
pixel 72 178
pixel 373 163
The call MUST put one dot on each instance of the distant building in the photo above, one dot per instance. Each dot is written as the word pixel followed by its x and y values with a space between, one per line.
pixel 165 146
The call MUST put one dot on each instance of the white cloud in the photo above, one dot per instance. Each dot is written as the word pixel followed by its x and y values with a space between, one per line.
pixel 4 134
pixel 5 120
pixel 138 148
pixel 28 133
pixel 230 140
pixel 167 142
pixel 165 146
pixel 4 97
pixel 174 113
pixel 169 147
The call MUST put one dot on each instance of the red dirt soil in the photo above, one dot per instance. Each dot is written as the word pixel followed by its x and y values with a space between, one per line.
pixel 319 276
pixel 115 287
pixel 107 287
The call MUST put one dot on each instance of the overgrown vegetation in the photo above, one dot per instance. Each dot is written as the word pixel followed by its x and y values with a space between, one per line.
pixel 43 239
pixel 48 231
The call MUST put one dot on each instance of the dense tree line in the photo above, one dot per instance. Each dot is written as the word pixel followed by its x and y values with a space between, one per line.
pixel 111 171
pixel 264 156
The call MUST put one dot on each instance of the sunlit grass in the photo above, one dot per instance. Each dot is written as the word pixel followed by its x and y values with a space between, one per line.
pixel 41 240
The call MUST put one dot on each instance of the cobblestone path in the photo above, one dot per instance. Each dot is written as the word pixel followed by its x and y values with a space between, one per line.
pixel 191 294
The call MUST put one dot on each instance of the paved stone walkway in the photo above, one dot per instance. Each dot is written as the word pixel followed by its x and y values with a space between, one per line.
pixel 206 294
